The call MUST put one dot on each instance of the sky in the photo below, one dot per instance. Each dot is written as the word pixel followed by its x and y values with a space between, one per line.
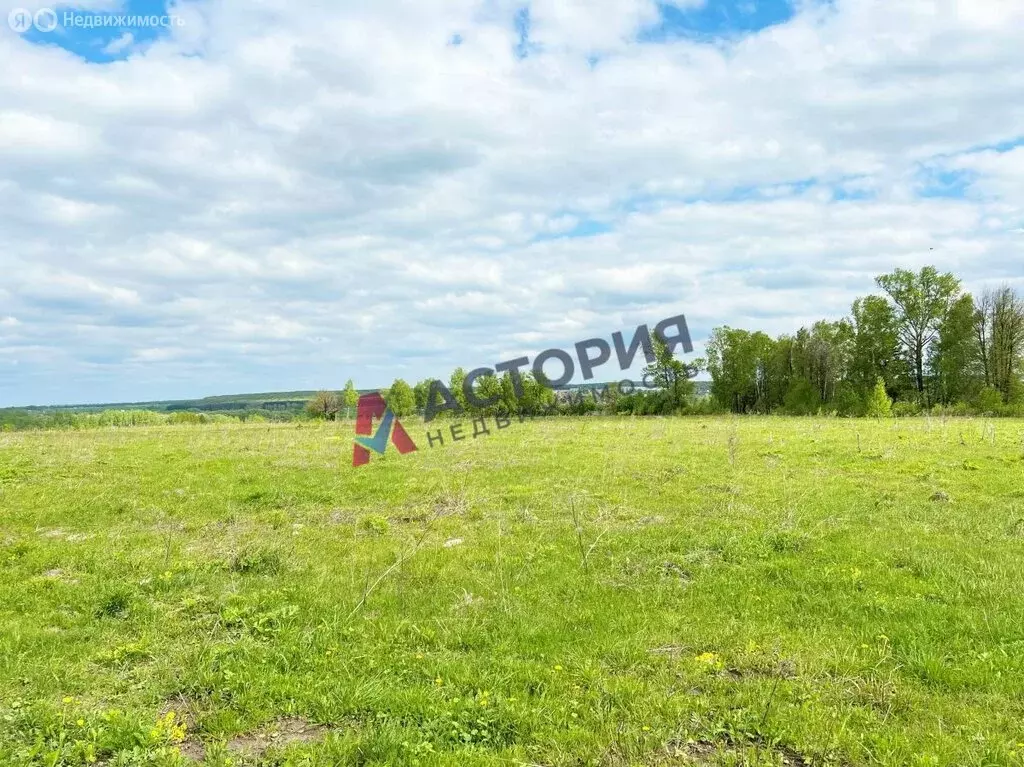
pixel 266 196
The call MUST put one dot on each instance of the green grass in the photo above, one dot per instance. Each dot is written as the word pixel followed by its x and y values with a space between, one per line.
pixel 616 592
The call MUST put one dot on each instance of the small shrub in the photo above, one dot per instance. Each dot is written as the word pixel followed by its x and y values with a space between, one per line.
pixel 802 398
pixel 960 409
pixel 878 404
pixel 783 542
pixel 705 406
pixel 904 409
pixel 375 523
pixel 989 400
pixel 258 562
pixel 847 402
pixel 277 519
pixel 186 417
pixel 114 604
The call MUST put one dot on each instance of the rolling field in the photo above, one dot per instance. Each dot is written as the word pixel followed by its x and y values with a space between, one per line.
pixel 608 592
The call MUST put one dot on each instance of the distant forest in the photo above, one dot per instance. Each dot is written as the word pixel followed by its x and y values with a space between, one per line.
pixel 921 344
pixel 273 406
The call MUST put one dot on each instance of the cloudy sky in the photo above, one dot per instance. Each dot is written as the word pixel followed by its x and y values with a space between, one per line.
pixel 269 195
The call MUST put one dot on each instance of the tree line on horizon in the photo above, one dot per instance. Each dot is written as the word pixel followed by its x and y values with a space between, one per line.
pixel 921 343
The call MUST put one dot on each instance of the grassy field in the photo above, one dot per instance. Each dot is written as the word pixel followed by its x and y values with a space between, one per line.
pixel 759 591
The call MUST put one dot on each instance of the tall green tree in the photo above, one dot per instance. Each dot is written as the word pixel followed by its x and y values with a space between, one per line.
pixel 400 398
pixel 829 354
pixel 953 360
pixel 921 302
pixel 739 363
pixel 673 377
pixel 781 367
pixel 488 388
pixel 421 391
pixel 876 345
pixel 999 329
pixel 537 396
pixel 508 402
pixel 349 397
pixel 455 382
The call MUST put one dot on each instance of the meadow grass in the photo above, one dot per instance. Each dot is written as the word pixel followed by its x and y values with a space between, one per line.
pixel 591 591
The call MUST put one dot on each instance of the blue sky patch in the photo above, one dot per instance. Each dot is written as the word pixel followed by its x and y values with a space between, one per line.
pixel 586 227
pixel 646 202
pixel 104 36
pixel 717 18
pixel 522 25
pixel 944 183
pixel 852 194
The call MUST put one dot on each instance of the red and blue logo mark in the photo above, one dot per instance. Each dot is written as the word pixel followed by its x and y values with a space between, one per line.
pixel 372 406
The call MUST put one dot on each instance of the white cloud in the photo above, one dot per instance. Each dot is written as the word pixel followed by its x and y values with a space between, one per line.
pixel 120 44
pixel 22 132
pixel 296 198
pixel 159 354
pixel 273 327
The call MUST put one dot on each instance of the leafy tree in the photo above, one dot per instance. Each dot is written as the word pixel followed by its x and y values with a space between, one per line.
pixel 921 303
pixel 400 398
pixel 349 397
pixel 455 382
pixel 740 362
pixel 420 392
pixel 610 398
pixel 536 395
pixel 488 388
pixel 672 376
pixel 324 405
pixel 878 404
pixel 989 400
pixel 508 402
pixel 999 329
pixel 829 351
pixel 802 398
pixel 875 345
pixel 954 354
pixel 848 401
pixel 782 369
